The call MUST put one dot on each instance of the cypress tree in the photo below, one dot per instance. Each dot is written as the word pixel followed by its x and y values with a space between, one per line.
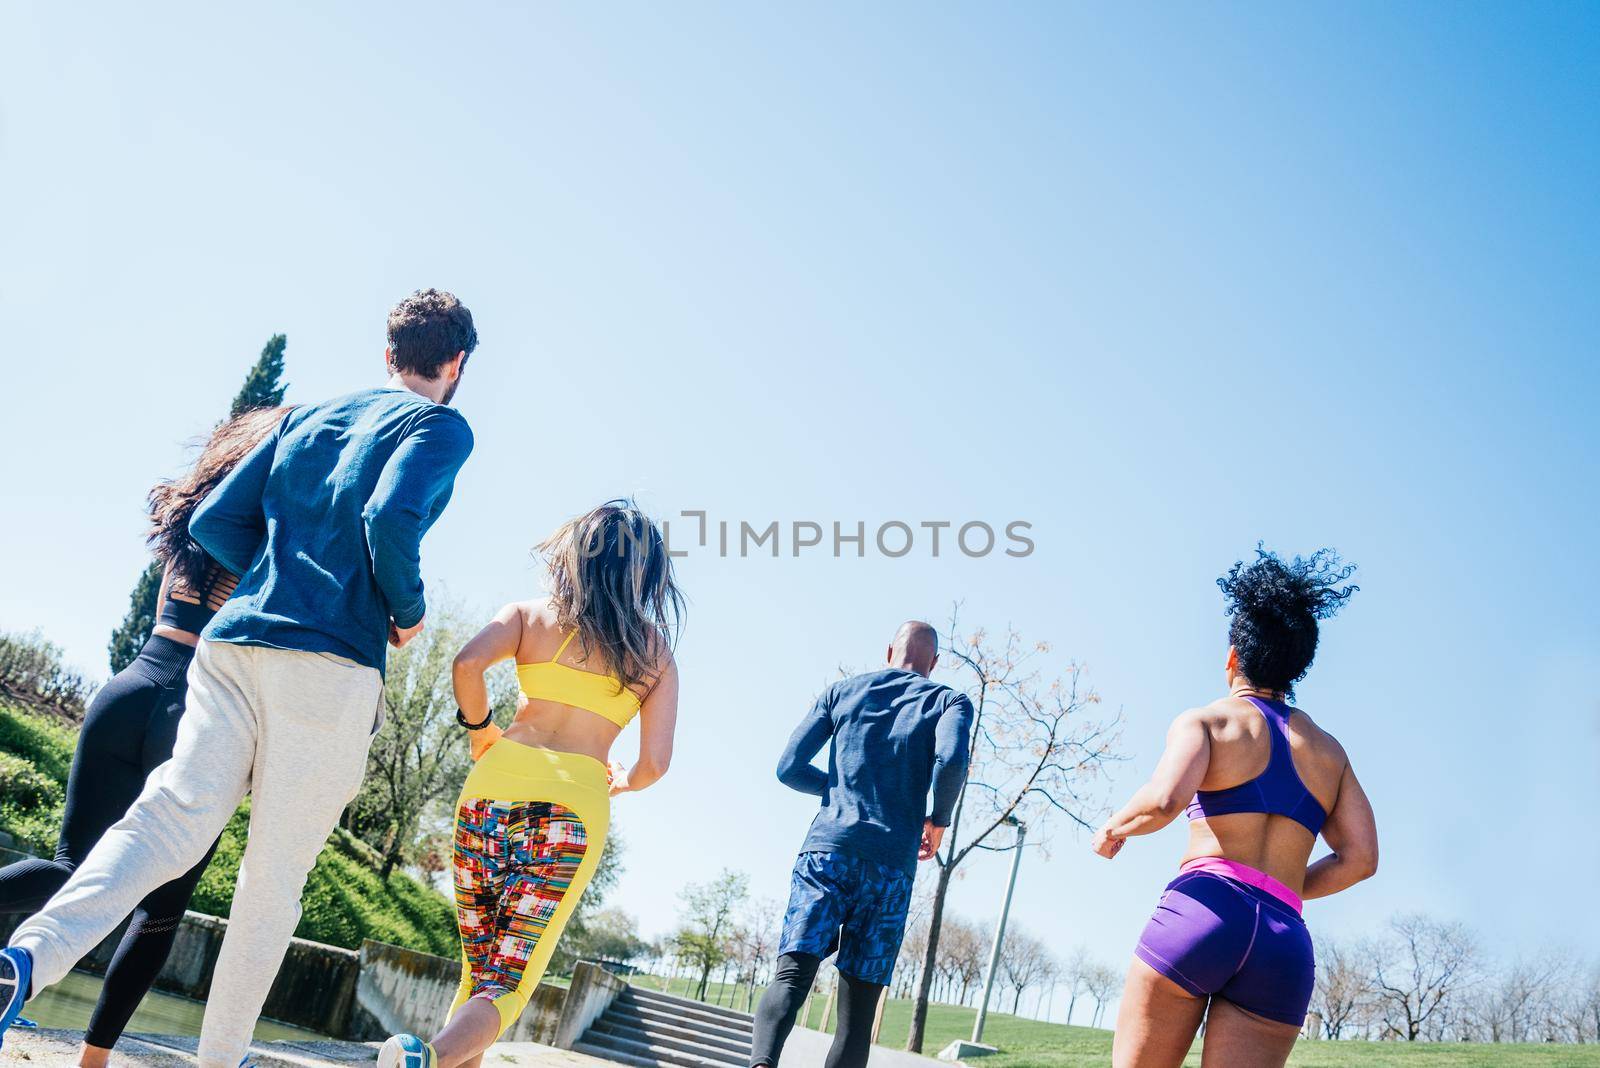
pixel 262 388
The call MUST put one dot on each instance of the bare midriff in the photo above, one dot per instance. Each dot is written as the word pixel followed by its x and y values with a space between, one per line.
pixel 562 728
pixel 1275 845
pixel 188 638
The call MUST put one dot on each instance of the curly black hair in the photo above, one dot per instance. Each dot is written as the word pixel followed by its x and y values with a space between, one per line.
pixel 1275 608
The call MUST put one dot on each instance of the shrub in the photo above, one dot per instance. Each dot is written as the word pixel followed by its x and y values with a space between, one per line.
pixel 35 756
pixel 32 670
pixel 344 902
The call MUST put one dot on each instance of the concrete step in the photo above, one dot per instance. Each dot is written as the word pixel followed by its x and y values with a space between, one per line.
pixel 676 1038
pixel 684 1004
pixel 631 1052
pixel 652 1014
pixel 605 1053
pixel 732 1041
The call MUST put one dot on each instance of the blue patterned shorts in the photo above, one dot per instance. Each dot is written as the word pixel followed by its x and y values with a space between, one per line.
pixel 857 906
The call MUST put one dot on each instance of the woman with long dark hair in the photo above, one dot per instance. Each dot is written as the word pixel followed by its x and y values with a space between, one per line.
pixel 129 729
pixel 1260 781
pixel 532 818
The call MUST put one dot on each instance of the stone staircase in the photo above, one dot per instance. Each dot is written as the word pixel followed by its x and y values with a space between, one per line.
pixel 651 1030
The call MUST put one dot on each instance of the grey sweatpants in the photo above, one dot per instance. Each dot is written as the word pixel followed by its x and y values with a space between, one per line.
pixel 291 729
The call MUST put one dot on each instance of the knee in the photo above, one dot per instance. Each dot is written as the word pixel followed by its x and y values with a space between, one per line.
pixel 797 968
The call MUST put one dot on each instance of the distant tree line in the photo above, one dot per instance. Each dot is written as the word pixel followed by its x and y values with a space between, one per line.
pixel 1029 976
pixel 1428 980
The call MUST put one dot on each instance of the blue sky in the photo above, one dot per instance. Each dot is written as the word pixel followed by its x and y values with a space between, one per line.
pixel 1160 282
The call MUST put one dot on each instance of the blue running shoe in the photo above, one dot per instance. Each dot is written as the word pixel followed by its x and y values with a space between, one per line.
pixel 16 983
pixel 406 1051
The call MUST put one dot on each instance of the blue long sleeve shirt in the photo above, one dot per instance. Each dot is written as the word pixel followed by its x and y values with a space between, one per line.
pixel 897 736
pixel 323 522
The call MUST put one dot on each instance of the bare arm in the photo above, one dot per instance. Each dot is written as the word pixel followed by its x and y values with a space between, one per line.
pixel 496 642
pixel 1352 833
pixel 1178 774
pixel 658 720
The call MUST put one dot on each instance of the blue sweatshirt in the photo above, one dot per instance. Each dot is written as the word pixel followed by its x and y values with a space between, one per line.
pixel 324 520
pixel 895 734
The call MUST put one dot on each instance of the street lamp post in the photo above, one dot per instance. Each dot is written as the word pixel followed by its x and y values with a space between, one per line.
pixel 999 930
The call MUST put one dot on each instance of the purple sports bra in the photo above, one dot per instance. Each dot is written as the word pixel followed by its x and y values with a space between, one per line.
pixel 1277 791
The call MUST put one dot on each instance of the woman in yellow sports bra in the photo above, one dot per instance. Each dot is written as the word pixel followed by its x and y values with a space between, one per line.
pixel 531 821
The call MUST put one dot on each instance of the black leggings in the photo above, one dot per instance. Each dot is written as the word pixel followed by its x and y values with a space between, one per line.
pixel 858 1005
pixel 128 730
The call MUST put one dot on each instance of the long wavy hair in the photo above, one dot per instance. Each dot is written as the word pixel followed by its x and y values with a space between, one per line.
pixel 172 502
pixel 611 579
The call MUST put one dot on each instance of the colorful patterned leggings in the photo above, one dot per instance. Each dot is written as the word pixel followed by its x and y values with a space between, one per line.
pixel 515 864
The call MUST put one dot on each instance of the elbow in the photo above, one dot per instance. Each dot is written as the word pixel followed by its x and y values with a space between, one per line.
pixel 468 667
pixel 650 768
pixel 1363 862
pixel 1169 805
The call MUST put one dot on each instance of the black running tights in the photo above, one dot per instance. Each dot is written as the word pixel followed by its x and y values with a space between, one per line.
pixel 775 1016
pixel 129 728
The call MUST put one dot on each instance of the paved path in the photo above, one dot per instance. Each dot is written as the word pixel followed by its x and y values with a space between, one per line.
pixel 52 1047
pixel 809 1049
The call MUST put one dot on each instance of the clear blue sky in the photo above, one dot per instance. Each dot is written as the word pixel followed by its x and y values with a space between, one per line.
pixel 1161 282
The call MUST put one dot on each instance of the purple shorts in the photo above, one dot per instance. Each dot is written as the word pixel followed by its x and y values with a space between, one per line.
pixel 1219 937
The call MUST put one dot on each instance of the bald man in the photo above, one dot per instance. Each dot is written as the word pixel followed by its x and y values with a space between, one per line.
pixel 898 760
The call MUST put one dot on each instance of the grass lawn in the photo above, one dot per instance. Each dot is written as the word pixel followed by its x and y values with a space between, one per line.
pixel 1026 1043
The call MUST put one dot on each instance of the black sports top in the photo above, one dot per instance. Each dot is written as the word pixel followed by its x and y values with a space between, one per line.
pixel 191 609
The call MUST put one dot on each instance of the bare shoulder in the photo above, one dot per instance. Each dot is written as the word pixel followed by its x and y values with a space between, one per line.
pixel 1325 748
pixel 664 664
pixel 1220 716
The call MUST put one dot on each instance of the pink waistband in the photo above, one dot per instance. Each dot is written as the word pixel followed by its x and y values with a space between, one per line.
pixel 1243 873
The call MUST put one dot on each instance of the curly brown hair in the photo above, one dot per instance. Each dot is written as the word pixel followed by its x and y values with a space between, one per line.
pixel 173 500
pixel 427 329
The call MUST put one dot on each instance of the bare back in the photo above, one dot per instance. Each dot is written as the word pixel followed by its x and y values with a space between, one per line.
pixel 1240 746
pixel 549 724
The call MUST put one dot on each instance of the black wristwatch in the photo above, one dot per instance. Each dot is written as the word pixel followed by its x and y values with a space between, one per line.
pixel 461 718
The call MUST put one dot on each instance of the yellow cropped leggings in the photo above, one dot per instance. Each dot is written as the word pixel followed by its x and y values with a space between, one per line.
pixel 530 827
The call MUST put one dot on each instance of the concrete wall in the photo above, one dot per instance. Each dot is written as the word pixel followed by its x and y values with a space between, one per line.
pixel 369 994
pixel 315 988
pixel 404 990
pixel 592 991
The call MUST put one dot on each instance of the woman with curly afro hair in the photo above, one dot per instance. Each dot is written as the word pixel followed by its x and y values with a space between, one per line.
pixel 1259 781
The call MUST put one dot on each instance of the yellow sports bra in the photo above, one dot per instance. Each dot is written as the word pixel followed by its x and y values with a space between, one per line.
pixel 601 694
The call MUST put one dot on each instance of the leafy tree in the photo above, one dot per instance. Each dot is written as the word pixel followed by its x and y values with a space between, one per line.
pixel 263 387
pixel 710 911
pixel 608 934
pixel 420 757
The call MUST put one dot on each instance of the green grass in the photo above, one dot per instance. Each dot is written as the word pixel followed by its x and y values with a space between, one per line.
pixel 344 899
pixel 1026 1043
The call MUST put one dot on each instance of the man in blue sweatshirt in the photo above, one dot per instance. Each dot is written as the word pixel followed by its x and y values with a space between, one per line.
pixel 323 524
pixel 896 736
